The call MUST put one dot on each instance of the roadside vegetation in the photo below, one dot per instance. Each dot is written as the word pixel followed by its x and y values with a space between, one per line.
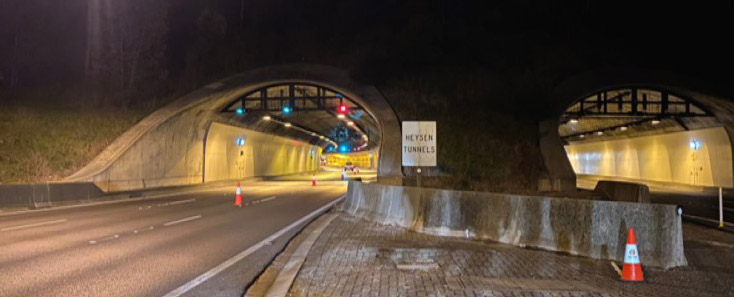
pixel 481 145
pixel 46 142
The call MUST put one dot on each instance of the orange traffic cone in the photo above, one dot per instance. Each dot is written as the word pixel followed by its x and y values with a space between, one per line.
pixel 238 196
pixel 313 180
pixel 632 270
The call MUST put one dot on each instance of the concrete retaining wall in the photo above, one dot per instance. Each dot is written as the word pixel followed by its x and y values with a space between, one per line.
pixel 595 229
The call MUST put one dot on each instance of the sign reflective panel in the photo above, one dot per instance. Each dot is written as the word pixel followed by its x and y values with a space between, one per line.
pixel 419 144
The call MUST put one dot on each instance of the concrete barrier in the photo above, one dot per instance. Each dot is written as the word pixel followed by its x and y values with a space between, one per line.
pixel 38 195
pixel 595 229
pixel 621 191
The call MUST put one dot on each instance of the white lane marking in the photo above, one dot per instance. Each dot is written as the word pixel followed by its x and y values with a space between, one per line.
pixel 716 243
pixel 182 201
pixel 231 261
pixel 267 199
pixel 33 225
pixel 103 239
pixel 143 230
pixel 191 218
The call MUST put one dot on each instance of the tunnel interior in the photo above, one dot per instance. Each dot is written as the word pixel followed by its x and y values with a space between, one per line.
pixel 321 127
pixel 645 134
pixel 308 112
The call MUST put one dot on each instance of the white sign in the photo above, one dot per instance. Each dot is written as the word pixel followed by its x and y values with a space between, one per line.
pixel 419 144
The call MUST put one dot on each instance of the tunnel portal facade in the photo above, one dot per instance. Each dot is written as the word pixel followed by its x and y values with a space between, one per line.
pixel 218 133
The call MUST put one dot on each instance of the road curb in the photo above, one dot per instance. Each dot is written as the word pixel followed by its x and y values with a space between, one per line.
pixel 284 280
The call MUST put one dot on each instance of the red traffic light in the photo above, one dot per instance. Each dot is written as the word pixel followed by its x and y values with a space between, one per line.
pixel 342 108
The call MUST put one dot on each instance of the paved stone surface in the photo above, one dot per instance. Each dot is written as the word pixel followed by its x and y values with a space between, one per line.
pixel 358 258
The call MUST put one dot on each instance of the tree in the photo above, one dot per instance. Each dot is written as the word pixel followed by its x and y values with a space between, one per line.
pixel 126 45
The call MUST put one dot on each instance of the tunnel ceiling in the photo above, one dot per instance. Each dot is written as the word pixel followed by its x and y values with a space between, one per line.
pixel 307 112
pixel 630 112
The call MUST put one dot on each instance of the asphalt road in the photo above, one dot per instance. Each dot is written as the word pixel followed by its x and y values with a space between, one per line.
pixel 152 246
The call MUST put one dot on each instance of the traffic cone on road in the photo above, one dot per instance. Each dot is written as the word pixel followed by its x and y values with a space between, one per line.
pixel 632 270
pixel 238 196
pixel 313 180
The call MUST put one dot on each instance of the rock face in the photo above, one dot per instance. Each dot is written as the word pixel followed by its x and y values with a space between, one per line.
pixel 595 229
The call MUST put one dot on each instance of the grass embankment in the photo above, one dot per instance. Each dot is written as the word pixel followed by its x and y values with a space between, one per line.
pixel 47 144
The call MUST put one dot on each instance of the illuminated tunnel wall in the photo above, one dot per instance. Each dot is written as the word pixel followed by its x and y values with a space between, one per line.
pixel 364 160
pixel 234 153
pixel 671 157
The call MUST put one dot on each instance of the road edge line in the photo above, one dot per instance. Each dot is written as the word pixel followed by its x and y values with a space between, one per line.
pixel 284 280
pixel 236 258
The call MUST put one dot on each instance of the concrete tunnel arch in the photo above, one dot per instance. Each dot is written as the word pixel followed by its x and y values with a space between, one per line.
pixel 560 172
pixel 167 147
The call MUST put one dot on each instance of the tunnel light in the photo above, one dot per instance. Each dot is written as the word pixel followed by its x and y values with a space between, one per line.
pixel 655 122
pixel 287 109
pixel 599 133
pixel 267 118
pixel 287 124
pixel 573 121
pixel 694 144
pixel 341 116
pixel 239 111
pixel 240 141
pixel 322 137
pixel 350 123
pixel 623 128
pixel 582 136
pixel 313 133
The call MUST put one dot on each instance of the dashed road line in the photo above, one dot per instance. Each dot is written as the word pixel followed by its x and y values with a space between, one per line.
pixel 191 218
pixel 138 231
pixel 33 225
pixel 106 238
pixel 267 199
pixel 182 201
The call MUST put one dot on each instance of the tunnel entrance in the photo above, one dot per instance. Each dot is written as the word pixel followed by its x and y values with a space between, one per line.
pixel 291 127
pixel 267 121
pixel 644 134
pixel 314 113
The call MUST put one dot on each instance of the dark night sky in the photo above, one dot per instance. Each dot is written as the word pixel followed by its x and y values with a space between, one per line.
pixel 385 39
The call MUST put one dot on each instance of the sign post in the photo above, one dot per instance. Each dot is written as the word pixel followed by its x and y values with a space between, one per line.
pixel 419 146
